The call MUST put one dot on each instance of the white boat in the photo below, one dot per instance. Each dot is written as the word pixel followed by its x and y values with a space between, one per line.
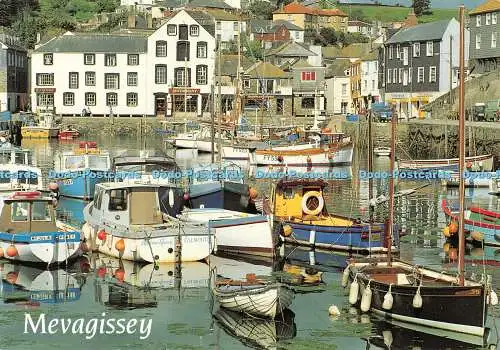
pixel 233 267
pixel 135 222
pixel 17 169
pixel 39 285
pixel 235 152
pixel 308 157
pixel 382 151
pixel 494 186
pixel 29 233
pixel 243 152
pixel 235 232
pixel 472 179
pixel 264 299
pixel 186 140
pixel 474 163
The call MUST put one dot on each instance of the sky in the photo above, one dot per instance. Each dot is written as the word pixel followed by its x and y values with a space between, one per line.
pixel 434 3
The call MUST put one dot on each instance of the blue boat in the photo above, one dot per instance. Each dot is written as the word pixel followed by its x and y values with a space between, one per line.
pixel 301 218
pixel 77 172
pixel 222 187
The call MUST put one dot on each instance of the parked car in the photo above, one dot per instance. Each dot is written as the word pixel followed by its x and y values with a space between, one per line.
pixel 381 112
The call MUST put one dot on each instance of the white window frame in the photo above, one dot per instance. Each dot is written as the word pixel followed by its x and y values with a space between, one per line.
pixel 48 59
pixel 432 74
pixel 344 89
pixel 416 49
pixel 246 83
pixel 194 30
pixel 394 75
pixel 90 99
pixel 201 74
pixel 478 20
pixel 89 78
pixel 111 81
pixel 398 51
pixel 406 53
pixel 110 60
pixel 73 80
pixel 111 99
pixel 133 59
pixel 410 73
pixel 405 77
pixel 488 19
pixel 420 75
pixel 389 76
pixel 68 99
pixel 132 78
pixel 478 41
pixel 400 76
pixel 201 49
pixel 89 59
pixel 494 18
pixel 493 40
pixel 132 99
pixel 429 48
pixel 171 29
pixel 45 79
pixel 163 70
pixel 390 52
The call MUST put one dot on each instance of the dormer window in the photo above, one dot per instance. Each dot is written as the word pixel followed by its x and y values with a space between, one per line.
pixel 48 59
pixel 171 29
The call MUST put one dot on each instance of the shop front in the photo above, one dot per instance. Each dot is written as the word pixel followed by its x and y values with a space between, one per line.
pixel 45 97
pixel 187 102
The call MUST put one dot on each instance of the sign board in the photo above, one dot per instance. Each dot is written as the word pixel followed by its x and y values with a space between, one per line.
pixel 189 91
pixel 46 90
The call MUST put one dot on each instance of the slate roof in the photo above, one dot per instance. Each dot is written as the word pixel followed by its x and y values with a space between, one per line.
pixel 261 26
pixel 96 43
pixel 229 64
pixel 288 25
pixel 218 4
pixel 204 19
pixel 338 68
pixel 488 6
pixel 356 50
pixel 422 32
pixel 291 49
pixel 265 70
pixel 222 15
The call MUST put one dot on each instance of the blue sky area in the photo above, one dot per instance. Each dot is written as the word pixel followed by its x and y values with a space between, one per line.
pixel 435 3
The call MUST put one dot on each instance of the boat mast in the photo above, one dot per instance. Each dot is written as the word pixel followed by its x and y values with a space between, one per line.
pixel 219 101
pixel 237 105
pixel 390 232
pixel 370 166
pixel 461 155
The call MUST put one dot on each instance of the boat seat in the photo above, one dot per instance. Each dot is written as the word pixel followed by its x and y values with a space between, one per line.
pixel 399 279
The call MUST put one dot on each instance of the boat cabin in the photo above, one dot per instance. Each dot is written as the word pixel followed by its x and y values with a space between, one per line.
pixel 27 212
pixel 14 155
pixel 298 198
pixel 135 204
pixel 17 170
pixel 86 156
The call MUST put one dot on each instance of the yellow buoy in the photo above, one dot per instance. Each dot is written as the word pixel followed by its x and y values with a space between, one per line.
pixel 446 247
pixel 287 231
pixel 446 231
pixel 453 227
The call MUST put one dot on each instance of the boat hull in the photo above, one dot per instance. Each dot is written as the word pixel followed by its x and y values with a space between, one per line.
pixel 38 132
pixel 346 238
pixel 445 164
pixel 206 146
pixel 42 247
pixel 68 134
pixel 227 195
pixel 342 156
pixel 264 300
pixel 442 307
pixel 81 185
pixel 235 153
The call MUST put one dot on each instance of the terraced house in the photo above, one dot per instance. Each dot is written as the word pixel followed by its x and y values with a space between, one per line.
pixel 168 73
pixel 484 34
pixel 13 74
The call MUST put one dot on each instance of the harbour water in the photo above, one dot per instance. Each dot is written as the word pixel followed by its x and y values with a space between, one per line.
pixel 177 298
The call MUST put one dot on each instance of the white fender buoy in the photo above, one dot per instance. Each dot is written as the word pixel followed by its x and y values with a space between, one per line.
pixel 171 198
pixel 334 311
pixel 364 318
pixel 417 299
pixel 366 299
pixel 345 276
pixel 388 299
pixel 353 291
pixel 493 297
pixel 387 338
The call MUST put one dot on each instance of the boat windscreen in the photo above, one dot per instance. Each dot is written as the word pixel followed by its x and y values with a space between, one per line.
pixel 98 162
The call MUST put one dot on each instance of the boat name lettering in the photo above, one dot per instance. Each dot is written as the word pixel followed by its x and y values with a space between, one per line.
pixel 270 157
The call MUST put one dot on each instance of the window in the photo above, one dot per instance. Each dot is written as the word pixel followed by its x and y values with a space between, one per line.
pixel 410 70
pixel 110 60
pixel 400 75
pixel 246 83
pixel 416 49
pixel 171 29
pixel 266 86
pixel 201 74
pixel 111 99
pixel 132 78
pixel 308 76
pixel 488 19
pixel 183 51
pixel 398 51
pixel 478 21
pixel 235 26
pixel 89 78
pixel 133 59
pixel 421 76
pixel 132 99
pixel 111 81
pixel 494 18
pixel 40 211
pixel 90 99
pixel 48 59
pixel 307 102
pixel 389 49
pixel 183 32
pixel 73 80
pixel 44 99
pixel 430 48
pixel 181 80
pixel 279 106
pixel 69 99
pixel 201 49
pixel 432 74
pixel 394 75
pixel 89 59
pixel 373 84
pixel 344 89
pixel 218 25
pixel 389 76
pixel 161 49
pixel 190 103
pixel 45 79
pixel 160 74
pixel 194 30
pixel 405 55
pixel 494 39
pixel 118 200
pixel 19 211
pixel 478 41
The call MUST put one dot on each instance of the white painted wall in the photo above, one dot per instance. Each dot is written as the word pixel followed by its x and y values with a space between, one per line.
pixel 335 95
pixel 452 31
pixel 227 29
pixel 297 35
pixel 369 73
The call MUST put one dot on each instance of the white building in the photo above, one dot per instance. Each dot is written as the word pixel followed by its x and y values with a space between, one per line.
pixel 128 75
pixel 369 80
pixel 338 88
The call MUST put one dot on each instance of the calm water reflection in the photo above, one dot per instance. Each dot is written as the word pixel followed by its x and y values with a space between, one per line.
pixel 177 298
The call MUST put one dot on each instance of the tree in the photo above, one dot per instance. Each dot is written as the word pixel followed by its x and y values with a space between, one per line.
pixel 107 5
pixel 421 7
pixel 261 9
pixel 357 14
pixel 26 27
pixel 329 35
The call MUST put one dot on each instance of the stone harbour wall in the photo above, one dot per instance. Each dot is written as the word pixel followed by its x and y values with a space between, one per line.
pixel 117 126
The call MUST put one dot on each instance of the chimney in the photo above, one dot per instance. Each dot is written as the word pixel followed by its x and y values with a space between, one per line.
pixel 149 20
pixel 411 20
pixel 131 21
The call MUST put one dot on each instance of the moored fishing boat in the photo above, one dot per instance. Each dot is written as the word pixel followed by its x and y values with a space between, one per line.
pixel 28 231
pixel 483 225
pixel 382 151
pixel 235 232
pixel 17 169
pixel 472 179
pixel 78 171
pixel 474 163
pixel 46 127
pixel 299 210
pixel 68 134
pixel 253 296
pixel 136 222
